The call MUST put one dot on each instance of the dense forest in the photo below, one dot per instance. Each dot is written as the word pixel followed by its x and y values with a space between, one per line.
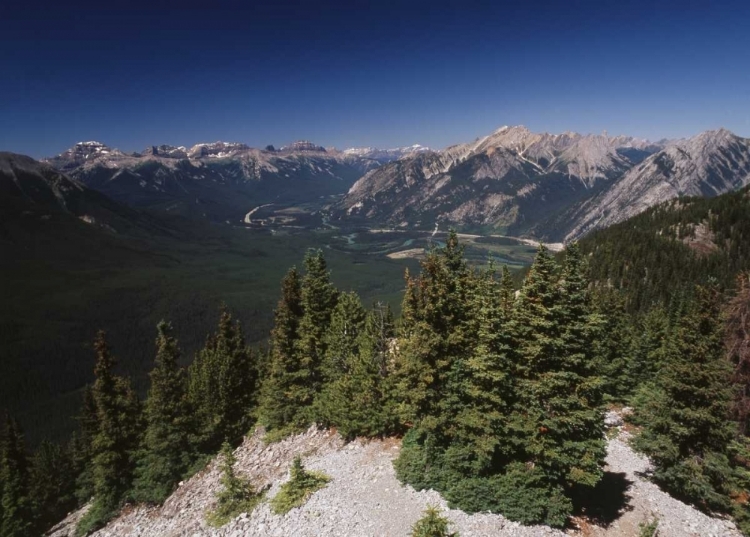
pixel 498 392
pixel 659 255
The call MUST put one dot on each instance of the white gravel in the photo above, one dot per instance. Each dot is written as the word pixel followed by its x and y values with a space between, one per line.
pixel 364 499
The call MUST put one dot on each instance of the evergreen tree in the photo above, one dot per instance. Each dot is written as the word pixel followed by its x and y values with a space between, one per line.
pixel 236 496
pixel 52 484
pixel 432 525
pixel 222 386
pixel 82 447
pixel 615 349
pixel 574 392
pixel 282 393
pixel 486 393
pixel 116 440
pixel 357 402
pixel 16 506
pixel 648 347
pixel 685 427
pixel 166 452
pixel 507 291
pixel 435 335
pixel 737 340
pixel 319 298
pixel 347 321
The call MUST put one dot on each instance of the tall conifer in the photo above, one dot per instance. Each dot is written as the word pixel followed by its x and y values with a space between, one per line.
pixel 222 382
pixel 685 430
pixel 116 440
pixel 282 396
pixel 166 452
pixel 15 502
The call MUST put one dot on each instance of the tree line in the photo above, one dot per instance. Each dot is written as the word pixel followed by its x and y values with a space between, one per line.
pixel 498 393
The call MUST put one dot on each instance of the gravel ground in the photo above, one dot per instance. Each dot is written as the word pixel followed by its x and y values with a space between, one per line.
pixel 364 499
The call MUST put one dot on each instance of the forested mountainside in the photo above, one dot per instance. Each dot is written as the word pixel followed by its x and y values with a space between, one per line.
pixel 219 181
pixel 552 187
pixel 660 254
pixel 73 261
pixel 498 396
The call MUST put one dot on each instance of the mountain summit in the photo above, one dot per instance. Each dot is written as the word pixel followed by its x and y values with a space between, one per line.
pixel 548 186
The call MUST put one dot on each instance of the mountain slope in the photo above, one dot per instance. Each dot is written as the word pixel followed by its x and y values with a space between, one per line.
pixel 709 164
pixel 551 187
pixel 218 181
pixel 664 251
pixel 511 180
pixel 31 190
pixel 73 261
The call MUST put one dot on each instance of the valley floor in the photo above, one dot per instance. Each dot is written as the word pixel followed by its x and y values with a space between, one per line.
pixel 364 498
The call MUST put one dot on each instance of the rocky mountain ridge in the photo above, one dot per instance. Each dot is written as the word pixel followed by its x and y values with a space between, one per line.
pixel 34 191
pixel 548 186
pixel 220 181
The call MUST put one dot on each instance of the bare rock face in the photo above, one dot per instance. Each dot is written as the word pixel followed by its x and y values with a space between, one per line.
pixel 712 163
pixel 549 186
pixel 512 180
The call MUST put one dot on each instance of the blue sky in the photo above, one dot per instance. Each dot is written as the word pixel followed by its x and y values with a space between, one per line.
pixel 355 74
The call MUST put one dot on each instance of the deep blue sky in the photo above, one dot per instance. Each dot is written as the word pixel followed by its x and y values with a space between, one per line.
pixel 351 73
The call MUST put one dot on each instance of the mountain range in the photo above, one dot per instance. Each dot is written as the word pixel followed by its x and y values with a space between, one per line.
pixel 553 187
pixel 219 181
pixel 549 186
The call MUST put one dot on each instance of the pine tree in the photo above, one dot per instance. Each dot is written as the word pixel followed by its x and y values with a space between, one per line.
pixel 282 396
pixel 574 404
pixel 432 525
pixel 737 341
pixel 319 298
pixel 166 452
pixel 116 440
pixel 347 321
pixel 16 505
pixel 52 484
pixel 222 386
pixel 435 334
pixel 685 430
pixel 357 402
pixel 486 391
pixel 82 447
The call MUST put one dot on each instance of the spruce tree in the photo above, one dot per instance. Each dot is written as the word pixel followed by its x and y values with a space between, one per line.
pixel 435 335
pixel 737 340
pixel 479 443
pixel 507 291
pixel 82 447
pixel 347 321
pixel 166 452
pixel 574 401
pixel 358 402
pixel 615 349
pixel 222 386
pixel 15 503
pixel 319 298
pixel 282 392
pixel 52 484
pixel 116 441
pixel 685 427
